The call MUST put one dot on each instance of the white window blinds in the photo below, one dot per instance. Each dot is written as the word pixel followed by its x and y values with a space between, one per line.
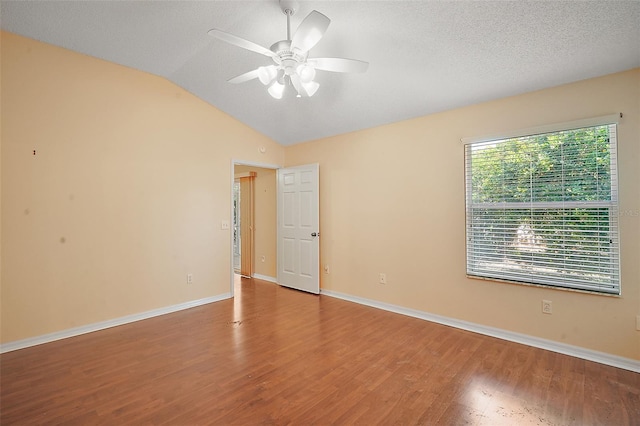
pixel 543 209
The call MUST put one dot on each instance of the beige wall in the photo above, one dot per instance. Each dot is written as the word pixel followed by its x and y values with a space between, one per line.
pixel 265 219
pixel 123 198
pixel 392 201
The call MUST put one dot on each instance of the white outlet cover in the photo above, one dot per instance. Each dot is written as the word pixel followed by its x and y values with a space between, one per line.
pixel 224 224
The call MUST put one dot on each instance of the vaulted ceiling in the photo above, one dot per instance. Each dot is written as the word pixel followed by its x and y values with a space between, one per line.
pixel 424 56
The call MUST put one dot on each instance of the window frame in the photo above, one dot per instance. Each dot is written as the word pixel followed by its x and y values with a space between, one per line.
pixel 612 205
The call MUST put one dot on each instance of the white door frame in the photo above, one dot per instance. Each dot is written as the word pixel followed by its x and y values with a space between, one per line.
pixel 234 163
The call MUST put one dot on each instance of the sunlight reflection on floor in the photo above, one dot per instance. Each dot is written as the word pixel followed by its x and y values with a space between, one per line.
pixel 490 406
pixel 236 323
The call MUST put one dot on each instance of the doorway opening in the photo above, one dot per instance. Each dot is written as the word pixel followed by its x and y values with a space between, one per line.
pixel 244 222
pixel 254 221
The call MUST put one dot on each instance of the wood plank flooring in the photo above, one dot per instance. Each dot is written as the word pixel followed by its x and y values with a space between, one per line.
pixel 277 356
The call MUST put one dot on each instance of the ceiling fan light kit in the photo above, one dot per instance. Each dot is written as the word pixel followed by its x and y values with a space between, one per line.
pixel 292 66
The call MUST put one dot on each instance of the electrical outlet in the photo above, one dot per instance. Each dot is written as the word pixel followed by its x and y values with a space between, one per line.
pixel 326 268
pixel 224 224
pixel 262 259
pixel 189 278
pixel 547 307
pixel 383 278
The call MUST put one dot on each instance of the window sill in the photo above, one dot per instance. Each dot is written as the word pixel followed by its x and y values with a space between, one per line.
pixel 550 287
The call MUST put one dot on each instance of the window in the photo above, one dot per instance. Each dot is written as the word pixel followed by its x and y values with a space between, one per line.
pixel 543 208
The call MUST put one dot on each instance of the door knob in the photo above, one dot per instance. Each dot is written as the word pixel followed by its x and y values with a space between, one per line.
pixel 315 234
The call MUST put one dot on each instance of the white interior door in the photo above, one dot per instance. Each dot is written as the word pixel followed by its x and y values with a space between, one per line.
pixel 298 228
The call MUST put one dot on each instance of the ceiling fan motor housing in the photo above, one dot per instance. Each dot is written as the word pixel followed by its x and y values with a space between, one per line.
pixel 287 58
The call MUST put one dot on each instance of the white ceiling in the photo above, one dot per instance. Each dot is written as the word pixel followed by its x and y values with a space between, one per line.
pixel 425 56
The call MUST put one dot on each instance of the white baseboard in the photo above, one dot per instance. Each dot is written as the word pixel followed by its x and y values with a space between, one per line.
pixel 576 351
pixel 266 278
pixel 89 328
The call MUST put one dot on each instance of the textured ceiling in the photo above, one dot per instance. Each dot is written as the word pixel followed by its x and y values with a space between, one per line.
pixel 425 56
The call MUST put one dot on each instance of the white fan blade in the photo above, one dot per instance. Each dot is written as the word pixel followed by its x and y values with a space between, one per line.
pixel 310 31
pixel 338 64
pixel 245 77
pixel 240 42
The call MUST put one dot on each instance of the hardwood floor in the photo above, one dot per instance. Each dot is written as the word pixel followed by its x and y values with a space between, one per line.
pixel 277 356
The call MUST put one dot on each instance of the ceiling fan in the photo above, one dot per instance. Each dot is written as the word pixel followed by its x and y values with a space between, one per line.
pixel 292 66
